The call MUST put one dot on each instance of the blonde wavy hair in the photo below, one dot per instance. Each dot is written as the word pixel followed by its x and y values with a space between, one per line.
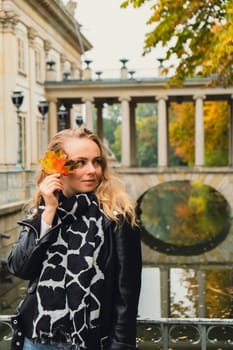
pixel 110 192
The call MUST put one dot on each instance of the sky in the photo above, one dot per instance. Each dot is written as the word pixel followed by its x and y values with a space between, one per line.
pixel 116 33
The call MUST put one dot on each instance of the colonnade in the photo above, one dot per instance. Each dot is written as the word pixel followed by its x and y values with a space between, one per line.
pixel 128 105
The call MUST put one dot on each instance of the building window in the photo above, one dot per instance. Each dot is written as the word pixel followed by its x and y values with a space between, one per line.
pixel 21 55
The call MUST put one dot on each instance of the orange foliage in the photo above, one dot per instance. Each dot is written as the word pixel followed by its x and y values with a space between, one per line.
pixel 56 163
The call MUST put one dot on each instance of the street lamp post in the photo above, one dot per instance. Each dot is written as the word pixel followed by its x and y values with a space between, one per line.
pixel 62 114
pixel 79 120
pixel 43 108
pixel 17 100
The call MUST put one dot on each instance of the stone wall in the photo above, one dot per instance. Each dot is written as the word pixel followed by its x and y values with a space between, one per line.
pixel 16 186
pixel 16 189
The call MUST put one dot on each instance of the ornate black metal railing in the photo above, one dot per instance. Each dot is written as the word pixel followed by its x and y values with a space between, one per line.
pixel 165 333
pixel 6 331
pixel 187 334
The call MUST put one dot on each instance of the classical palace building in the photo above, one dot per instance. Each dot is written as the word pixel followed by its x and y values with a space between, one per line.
pixel 44 87
pixel 39 40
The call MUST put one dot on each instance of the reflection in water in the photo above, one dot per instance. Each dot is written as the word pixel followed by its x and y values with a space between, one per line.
pixel 149 302
pixel 183 217
pixel 192 293
pixel 219 293
pixel 183 293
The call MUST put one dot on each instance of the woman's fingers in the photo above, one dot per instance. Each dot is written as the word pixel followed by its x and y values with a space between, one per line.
pixel 49 188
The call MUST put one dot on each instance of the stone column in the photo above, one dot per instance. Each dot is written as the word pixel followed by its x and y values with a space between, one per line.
pixel 125 133
pixel 133 138
pixel 162 131
pixel 8 73
pixel 201 292
pixel 165 292
pixel 100 128
pixel 230 156
pixel 50 69
pixel 31 122
pixel 52 118
pixel 69 115
pixel 75 71
pixel 62 65
pixel 199 131
pixel 89 118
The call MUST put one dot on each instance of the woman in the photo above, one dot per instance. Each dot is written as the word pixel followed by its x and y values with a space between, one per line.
pixel 80 249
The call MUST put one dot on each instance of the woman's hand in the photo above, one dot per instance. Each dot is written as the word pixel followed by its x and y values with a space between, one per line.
pixel 50 188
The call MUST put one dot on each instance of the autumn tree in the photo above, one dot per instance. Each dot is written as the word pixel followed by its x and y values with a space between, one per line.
pixel 216 126
pixel 197 35
pixel 181 131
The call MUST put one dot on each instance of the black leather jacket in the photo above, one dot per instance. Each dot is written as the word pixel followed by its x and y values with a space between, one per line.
pixel 122 279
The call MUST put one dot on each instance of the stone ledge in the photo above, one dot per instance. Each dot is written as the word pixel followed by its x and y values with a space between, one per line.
pixel 173 170
pixel 10 208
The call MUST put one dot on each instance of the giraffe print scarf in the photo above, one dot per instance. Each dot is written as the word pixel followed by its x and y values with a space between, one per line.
pixel 71 280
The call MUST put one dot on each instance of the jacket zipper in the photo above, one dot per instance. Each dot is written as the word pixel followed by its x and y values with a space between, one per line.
pixel 25 223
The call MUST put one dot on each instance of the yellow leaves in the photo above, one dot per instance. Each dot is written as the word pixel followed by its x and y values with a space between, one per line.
pixel 216 28
pixel 202 32
pixel 197 204
pixel 56 163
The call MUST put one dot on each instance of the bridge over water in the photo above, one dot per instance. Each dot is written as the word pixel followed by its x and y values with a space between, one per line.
pixel 138 181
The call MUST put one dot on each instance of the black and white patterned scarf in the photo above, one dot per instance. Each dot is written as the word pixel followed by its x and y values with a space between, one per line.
pixel 71 280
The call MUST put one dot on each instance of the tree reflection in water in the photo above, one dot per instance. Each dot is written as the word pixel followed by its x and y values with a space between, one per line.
pixel 183 217
pixel 189 218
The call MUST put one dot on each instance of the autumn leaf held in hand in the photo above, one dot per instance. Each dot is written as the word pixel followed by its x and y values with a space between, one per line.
pixel 56 163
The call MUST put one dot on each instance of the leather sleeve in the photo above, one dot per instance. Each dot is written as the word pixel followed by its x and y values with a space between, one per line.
pixel 128 284
pixel 27 254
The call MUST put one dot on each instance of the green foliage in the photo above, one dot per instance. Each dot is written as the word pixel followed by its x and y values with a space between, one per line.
pixel 116 146
pixel 147 141
pixel 111 121
pixel 146 133
pixel 197 34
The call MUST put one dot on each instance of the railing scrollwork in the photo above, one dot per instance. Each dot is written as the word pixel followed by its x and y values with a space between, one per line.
pixel 225 333
pixel 6 329
pixel 191 333
pixel 166 333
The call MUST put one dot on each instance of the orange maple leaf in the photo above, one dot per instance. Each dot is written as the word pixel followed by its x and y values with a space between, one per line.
pixel 56 163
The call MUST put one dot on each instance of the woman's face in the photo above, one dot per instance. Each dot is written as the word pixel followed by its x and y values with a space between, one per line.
pixel 87 174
